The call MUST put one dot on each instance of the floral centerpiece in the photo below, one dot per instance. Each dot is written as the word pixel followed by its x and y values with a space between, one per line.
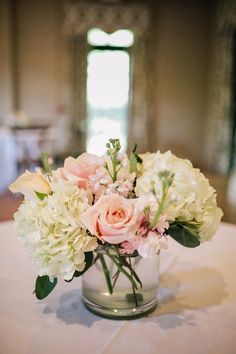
pixel 109 214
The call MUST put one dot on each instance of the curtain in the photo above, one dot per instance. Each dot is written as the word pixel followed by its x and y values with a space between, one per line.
pixel 77 47
pixel 219 107
pixel 79 18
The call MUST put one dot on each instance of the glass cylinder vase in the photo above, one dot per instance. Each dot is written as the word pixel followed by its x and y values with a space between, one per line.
pixel 123 287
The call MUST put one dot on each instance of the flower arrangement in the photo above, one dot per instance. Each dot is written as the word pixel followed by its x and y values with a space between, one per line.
pixel 127 206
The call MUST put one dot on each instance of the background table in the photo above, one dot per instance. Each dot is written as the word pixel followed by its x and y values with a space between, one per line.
pixel 196 313
pixel 8 166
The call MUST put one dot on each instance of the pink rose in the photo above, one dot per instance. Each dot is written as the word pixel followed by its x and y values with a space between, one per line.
pixel 80 169
pixel 113 218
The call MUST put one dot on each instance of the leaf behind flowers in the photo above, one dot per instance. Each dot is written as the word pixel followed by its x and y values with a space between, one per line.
pixel 134 159
pixel 184 233
pixel 88 261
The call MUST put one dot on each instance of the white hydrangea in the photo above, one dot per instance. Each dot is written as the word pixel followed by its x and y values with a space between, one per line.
pixel 52 232
pixel 190 197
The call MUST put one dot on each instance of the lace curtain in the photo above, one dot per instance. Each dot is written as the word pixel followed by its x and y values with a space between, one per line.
pixel 219 128
pixel 79 18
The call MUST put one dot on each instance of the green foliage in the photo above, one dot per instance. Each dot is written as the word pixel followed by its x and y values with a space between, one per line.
pixel 41 196
pixel 45 163
pixel 88 261
pixel 184 233
pixel 166 178
pixel 44 286
pixel 113 148
pixel 134 159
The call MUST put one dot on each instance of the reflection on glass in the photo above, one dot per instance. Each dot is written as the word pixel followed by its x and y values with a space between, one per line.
pixel 107 98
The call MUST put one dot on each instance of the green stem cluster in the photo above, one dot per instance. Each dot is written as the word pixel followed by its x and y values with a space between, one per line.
pixel 166 178
pixel 123 266
pixel 113 148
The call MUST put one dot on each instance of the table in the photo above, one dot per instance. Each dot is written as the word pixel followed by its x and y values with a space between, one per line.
pixel 8 170
pixel 29 140
pixel 196 313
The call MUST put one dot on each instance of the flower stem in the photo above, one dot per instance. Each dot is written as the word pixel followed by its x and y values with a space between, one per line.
pixel 133 273
pixel 106 273
pixel 123 261
pixel 115 278
pixel 122 270
pixel 133 289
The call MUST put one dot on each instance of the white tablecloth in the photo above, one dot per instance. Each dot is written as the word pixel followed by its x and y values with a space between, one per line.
pixel 196 313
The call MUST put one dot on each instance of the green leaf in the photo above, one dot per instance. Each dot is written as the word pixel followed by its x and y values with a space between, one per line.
pixel 41 196
pixel 45 163
pixel 184 234
pixel 134 160
pixel 88 261
pixel 44 286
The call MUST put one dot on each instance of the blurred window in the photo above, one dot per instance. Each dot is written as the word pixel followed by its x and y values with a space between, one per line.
pixel 108 87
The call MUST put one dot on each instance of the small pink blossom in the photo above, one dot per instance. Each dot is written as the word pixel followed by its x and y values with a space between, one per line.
pixel 128 247
pixel 162 224
pixel 147 241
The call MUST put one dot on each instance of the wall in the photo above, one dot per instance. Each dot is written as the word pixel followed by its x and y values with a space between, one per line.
pixel 5 60
pixel 40 59
pixel 182 41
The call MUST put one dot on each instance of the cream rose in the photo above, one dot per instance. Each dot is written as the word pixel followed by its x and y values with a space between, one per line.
pixel 29 183
pixel 80 169
pixel 113 218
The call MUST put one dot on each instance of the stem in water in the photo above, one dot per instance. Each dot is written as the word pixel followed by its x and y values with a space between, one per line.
pixel 133 289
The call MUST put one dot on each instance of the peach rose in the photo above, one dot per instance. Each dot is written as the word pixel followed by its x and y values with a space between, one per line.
pixel 80 169
pixel 113 218
pixel 30 182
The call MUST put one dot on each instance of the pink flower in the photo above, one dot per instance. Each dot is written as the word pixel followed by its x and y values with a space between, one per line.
pixel 113 218
pixel 79 170
pixel 128 247
pixel 162 224
pixel 147 241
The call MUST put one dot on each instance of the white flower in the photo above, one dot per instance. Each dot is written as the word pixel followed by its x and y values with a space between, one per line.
pixel 28 183
pixel 52 231
pixel 190 196
pixel 210 219
pixel 150 246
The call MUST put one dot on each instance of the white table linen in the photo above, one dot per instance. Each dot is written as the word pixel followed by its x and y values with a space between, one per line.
pixel 196 312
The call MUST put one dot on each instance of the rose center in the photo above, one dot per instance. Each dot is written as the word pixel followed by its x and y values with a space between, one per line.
pixel 118 215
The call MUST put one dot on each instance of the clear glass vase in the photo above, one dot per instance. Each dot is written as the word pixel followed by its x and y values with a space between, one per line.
pixel 109 292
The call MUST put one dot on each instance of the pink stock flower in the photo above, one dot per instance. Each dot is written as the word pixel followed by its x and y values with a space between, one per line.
pixel 162 224
pixel 79 170
pixel 128 247
pixel 113 218
pixel 147 241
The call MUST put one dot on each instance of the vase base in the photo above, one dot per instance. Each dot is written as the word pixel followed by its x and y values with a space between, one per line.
pixel 121 314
